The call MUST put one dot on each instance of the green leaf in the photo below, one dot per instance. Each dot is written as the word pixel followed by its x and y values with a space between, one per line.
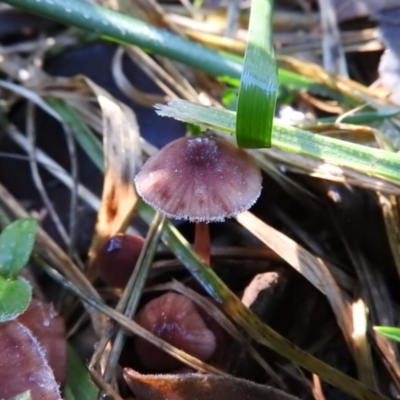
pixel 230 98
pixel 362 118
pixel 16 245
pixel 389 332
pixel 259 84
pixel 67 392
pixel 15 297
pixel 295 82
pixel 78 383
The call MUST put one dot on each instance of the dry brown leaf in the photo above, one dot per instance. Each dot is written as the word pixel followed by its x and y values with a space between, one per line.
pixel 200 387
pixel 119 198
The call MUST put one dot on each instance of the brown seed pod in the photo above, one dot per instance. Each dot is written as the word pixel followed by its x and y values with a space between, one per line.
pixel 175 319
pixel 117 259
pixel 202 179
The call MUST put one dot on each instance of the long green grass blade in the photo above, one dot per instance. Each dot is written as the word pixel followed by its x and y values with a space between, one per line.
pixel 362 118
pixel 391 333
pixel 78 382
pixel 362 158
pixel 259 83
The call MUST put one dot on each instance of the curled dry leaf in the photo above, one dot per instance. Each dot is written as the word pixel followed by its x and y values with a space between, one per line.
pixel 200 387
pixel 48 328
pixel 121 131
pixel 23 365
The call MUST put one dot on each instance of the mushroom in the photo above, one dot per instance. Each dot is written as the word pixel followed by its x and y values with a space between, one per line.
pixel 202 179
pixel 23 365
pixel 48 328
pixel 117 259
pixel 174 318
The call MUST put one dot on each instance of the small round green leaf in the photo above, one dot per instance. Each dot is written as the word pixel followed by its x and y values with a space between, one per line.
pixel 16 244
pixel 15 297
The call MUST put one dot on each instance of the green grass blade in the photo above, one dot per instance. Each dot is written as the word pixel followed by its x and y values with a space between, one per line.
pixel 259 83
pixel 362 118
pixel 78 383
pixel 389 332
pixel 295 82
pixel 362 158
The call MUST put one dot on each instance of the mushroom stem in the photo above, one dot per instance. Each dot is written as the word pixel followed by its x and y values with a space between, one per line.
pixel 202 241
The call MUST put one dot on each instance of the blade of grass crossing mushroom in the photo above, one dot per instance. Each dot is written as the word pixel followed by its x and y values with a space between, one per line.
pixel 130 325
pixel 132 294
pixel 258 330
pixel 259 84
pixel 372 161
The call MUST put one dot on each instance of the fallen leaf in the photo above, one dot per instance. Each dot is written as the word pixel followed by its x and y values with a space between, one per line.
pixel 199 386
pixel 122 153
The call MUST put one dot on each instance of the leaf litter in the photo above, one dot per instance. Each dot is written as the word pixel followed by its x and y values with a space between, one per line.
pixel 320 269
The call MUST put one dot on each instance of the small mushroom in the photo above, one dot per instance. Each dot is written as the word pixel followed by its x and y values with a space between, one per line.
pixel 48 328
pixel 174 318
pixel 23 365
pixel 116 260
pixel 202 179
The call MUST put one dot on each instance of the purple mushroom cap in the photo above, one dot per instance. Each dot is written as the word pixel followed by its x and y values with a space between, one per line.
pixel 202 179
